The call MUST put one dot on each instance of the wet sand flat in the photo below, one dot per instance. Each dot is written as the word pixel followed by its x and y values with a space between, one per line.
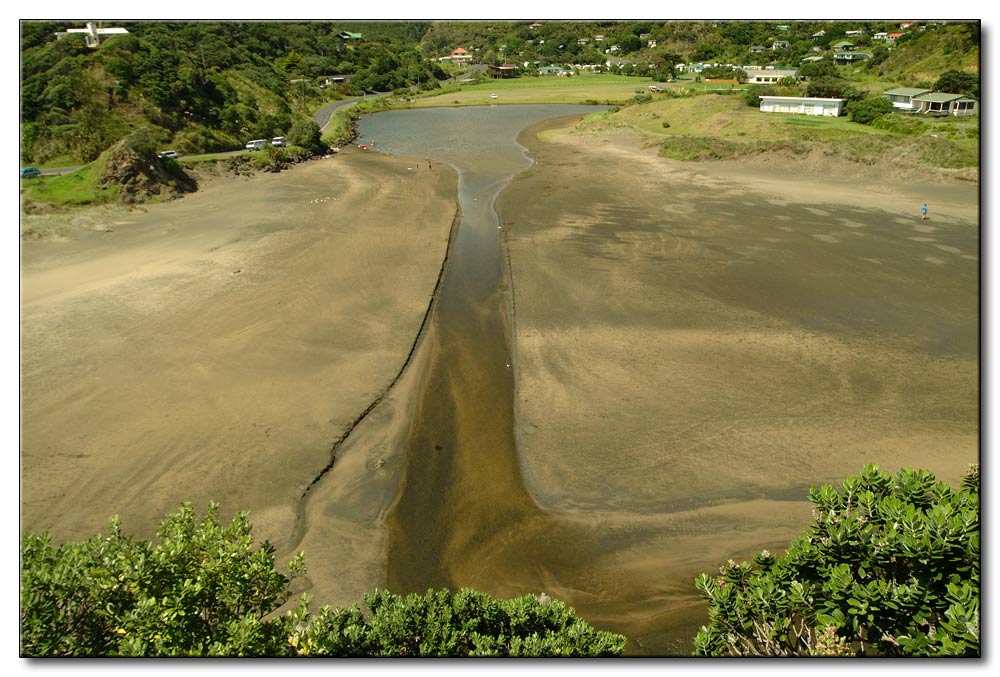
pixel 698 344
pixel 214 348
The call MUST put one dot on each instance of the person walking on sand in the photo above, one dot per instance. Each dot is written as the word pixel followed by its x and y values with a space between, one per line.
pixel 923 212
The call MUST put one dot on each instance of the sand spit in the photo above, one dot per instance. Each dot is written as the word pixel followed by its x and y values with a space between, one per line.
pixel 214 348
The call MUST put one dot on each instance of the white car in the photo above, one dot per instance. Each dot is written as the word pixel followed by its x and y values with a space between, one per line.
pixel 168 153
pixel 279 141
pixel 257 144
pixel 493 96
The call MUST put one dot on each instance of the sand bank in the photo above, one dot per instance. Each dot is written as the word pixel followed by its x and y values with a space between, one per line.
pixel 698 344
pixel 214 348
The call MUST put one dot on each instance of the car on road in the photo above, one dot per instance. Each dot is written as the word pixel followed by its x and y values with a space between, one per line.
pixel 29 172
pixel 279 142
pixel 257 144
pixel 169 154
pixel 493 96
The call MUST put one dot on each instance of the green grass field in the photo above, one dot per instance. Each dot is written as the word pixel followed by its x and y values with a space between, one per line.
pixel 584 88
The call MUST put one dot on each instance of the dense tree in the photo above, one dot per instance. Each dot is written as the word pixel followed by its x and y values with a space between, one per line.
pixel 210 590
pixel 889 567
pixel 958 82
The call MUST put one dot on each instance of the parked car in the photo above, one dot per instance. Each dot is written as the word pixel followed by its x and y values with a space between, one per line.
pixel 169 154
pixel 257 144
pixel 29 172
pixel 493 96
pixel 654 88
pixel 279 141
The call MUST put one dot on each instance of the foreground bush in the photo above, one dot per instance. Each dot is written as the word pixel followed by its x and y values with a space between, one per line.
pixel 209 590
pixel 890 567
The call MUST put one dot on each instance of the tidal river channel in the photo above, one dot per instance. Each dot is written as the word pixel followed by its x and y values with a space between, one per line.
pixel 463 517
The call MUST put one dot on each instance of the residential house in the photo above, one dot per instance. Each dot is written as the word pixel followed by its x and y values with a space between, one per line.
pixel 843 46
pixel 348 36
pixel 651 43
pixel 940 104
pixel 758 49
pixel 783 27
pixel 855 33
pixel 768 76
pixel 582 41
pixel 845 58
pixel 803 105
pixel 92 34
pixel 460 55
pixel 892 37
pixel 780 44
pixel 880 36
pixel 553 70
pixel 534 25
pixel 505 71
pixel 817 35
pixel 598 38
pixel 329 80
pixel 902 97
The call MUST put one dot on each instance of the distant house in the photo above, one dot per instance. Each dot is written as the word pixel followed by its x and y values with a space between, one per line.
pixel 902 97
pixel 553 70
pixel 812 59
pixel 92 33
pixel 505 71
pixel 535 25
pixel 880 36
pixel 940 104
pixel 843 46
pixel 780 44
pixel 844 58
pixel 758 49
pixel 598 38
pixel 460 55
pixel 892 37
pixel 855 33
pixel 651 43
pixel 582 41
pixel 768 76
pixel 348 36
pixel 329 80
pixel 817 35
pixel 803 105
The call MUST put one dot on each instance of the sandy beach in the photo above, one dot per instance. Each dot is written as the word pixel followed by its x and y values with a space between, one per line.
pixel 698 344
pixel 214 348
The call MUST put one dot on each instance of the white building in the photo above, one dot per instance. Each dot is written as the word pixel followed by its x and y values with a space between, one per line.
pixel 803 105
pixel 902 97
pixel 768 76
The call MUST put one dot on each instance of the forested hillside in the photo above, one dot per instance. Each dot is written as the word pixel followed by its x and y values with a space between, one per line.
pixel 204 86
pixel 200 86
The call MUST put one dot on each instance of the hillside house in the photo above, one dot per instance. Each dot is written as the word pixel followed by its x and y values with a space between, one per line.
pixel 845 58
pixel 817 35
pixel 768 76
pixel 892 37
pixel 460 55
pixel 880 36
pixel 92 33
pixel 802 105
pixel 941 104
pixel 780 44
pixel 843 46
pixel 348 37
pixel 507 70
pixel 553 70
pixel 902 97
pixel 758 49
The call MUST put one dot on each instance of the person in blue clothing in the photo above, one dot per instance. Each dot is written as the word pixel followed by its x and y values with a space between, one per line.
pixel 923 212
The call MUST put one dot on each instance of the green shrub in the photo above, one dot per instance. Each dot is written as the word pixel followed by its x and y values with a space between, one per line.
pixel 890 567
pixel 866 111
pixel 209 590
